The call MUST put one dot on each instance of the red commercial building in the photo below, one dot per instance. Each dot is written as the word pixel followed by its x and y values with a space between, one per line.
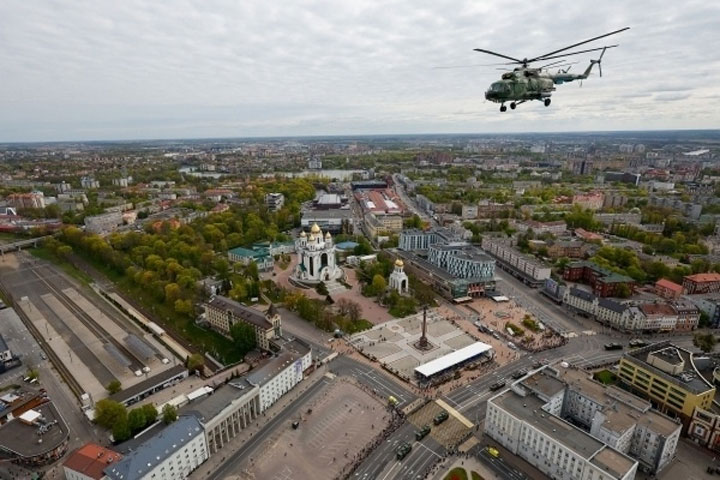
pixel 702 283
pixel 604 282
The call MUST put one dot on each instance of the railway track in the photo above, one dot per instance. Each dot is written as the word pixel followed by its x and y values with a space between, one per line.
pixel 92 325
pixel 64 372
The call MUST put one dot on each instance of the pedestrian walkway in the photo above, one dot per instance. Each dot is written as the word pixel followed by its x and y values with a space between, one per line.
pixel 215 461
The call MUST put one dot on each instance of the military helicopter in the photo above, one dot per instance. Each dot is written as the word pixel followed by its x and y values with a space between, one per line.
pixel 525 83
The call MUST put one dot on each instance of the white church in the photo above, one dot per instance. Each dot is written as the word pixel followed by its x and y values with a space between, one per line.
pixel 398 278
pixel 316 257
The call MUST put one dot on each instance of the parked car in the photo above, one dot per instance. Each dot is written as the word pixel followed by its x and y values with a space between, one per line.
pixel 613 346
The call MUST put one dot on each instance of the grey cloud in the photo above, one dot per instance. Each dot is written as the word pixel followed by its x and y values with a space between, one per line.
pixel 187 68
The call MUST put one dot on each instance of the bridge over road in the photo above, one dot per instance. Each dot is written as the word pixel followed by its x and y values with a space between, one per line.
pixel 20 244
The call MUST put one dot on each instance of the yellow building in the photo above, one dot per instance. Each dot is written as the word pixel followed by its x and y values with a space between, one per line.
pixel 383 224
pixel 668 376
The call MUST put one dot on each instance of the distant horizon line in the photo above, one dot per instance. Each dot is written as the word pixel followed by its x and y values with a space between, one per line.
pixel 351 136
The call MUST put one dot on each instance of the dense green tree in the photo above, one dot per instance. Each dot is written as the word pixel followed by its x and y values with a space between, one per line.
pixel 169 414
pixel 379 284
pixel 150 412
pixel 121 430
pixel 108 412
pixel 705 341
pixel 195 362
pixel 243 336
pixel 113 387
pixel 136 420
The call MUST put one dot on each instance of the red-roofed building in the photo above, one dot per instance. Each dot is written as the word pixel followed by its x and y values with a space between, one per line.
pixel 88 462
pixel 702 283
pixel 667 289
pixel 586 236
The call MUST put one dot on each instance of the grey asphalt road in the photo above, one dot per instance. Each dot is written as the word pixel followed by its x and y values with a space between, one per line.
pixel 502 469
pixel 382 463
pixel 367 375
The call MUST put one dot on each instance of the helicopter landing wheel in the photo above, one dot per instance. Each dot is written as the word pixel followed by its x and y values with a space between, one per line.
pixel 547 102
pixel 503 108
pixel 512 106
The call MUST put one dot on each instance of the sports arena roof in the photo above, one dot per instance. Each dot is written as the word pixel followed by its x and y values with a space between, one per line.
pixel 451 359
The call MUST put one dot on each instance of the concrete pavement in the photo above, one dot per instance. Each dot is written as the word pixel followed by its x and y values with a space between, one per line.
pixel 229 460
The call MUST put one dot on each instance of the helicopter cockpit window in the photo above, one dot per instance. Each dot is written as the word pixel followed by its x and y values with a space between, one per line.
pixel 498 87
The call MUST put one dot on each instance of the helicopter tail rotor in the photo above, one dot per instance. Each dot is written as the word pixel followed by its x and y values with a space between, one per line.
pixel 599 60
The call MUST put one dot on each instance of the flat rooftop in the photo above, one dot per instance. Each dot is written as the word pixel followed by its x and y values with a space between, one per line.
pixel 211 405
pixel 690 379
pixel 330 213
pixel 453 358
pixel 529 410
pixel 22 439
pixel 140 388
pixel 291 352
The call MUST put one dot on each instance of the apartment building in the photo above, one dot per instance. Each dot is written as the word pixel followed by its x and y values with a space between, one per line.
pixel 701 283
pixel 604 282
pixel 222 313
pixel 528 269
pixel 171 454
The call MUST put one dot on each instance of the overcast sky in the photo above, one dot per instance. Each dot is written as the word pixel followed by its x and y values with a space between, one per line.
pixel 130 69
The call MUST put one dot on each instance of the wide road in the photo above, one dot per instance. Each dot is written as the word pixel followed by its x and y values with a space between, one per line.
pixel 542 307
pixel 382 463
pixel 381 383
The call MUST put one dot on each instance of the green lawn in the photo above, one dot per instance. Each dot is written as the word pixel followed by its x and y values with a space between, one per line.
pixel 457 473
pixel 605 377
pixel 476 476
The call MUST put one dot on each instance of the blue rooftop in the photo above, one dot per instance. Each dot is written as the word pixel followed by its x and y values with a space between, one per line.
pixel 136 464
pixel 346 245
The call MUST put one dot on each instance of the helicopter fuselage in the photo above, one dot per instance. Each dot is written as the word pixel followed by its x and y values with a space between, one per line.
pixel 521 85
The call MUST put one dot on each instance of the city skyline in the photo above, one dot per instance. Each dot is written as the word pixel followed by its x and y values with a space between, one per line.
pixel 196 70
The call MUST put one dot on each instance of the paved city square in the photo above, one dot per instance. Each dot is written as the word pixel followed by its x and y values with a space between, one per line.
pixel 343 419
pixel 392 343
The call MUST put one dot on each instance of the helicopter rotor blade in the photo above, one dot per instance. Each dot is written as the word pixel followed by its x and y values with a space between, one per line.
pixel 515 60
pixel 547 55
pixel 558 63
pixel 472 65
pixel 577 53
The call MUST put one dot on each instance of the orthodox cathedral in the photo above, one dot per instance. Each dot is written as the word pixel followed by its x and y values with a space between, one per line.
pixel 316 257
